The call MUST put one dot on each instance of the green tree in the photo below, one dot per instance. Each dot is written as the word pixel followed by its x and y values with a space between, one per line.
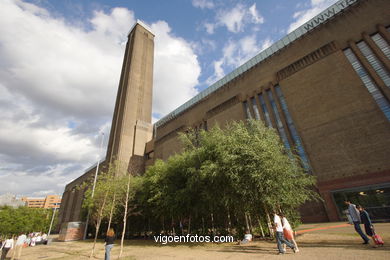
pixel 226 177
pixel 126 190
pixel 96 201
pixel 23 219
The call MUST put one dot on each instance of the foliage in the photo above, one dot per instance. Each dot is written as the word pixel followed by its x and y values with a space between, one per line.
pixel 225 176
pixel 14 221
pixel 223 181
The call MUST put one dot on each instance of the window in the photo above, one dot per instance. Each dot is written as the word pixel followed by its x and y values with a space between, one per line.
pixel 291 126
pixel 268 121
pixel 254 105
pixel 247 110
pixel 374 62
pixel 368 83
pixel 382 44
pixel 279 123
pixel 375 199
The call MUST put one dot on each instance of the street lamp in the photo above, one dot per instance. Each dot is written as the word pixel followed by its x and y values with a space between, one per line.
pixel 52 219
pixel 94 184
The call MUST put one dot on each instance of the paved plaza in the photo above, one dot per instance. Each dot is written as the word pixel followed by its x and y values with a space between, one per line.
pixel 322 241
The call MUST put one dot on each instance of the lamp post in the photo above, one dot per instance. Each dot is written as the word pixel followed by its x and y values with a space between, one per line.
pixel 94 184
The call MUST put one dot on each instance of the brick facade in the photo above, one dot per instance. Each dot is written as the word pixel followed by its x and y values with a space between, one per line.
pixel 343 132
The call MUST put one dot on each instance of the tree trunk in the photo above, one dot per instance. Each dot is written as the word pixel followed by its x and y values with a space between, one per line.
pixel 229 222
pixel 173 226
pixel 212 224
pixel 148 224
pixel 250 223
pixel 111 212
pixel 125 215
pixel 261 227
pixel 181 226
pixel 246 222
pixel 189 225
pixel 203 229
pixel 163 224
pixel 98 222
pixel 269 223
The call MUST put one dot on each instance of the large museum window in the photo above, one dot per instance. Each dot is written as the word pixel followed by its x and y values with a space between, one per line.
pixel 375 63
pixel 291 126
pixel 372 88
pixel 255 109
pixel 382 44
pixel 265 111
pixel 247 110
pixel 375 199
pixel 279 123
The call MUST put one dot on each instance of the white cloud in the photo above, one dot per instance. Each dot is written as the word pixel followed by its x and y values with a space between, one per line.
pixel 315 7
pixel 235 53
pixel 236 18
pixel 267 42
pixel 204 46
pixel 58 84
pixel 50 180
pixel 256 17
pixel 210 27
pixel 233 19
pixel 210 44
pixel 177 70
pixel 203 4
pixel 53 63
pixel 114 25
pixel 218 71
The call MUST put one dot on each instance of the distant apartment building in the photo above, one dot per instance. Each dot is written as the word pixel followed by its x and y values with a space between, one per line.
pixel 51 201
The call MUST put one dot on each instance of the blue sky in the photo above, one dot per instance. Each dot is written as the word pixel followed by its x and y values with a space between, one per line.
pixel 60 64
pixel 189 19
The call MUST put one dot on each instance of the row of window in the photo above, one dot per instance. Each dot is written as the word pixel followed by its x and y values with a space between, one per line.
pixel 377 66
pixel 272 110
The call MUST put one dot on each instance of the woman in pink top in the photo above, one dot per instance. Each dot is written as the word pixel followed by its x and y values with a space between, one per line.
pixel 288 232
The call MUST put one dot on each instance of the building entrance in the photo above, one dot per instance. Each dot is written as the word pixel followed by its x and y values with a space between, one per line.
pixel 374 198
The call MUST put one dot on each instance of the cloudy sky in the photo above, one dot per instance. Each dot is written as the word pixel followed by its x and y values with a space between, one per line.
pixel 60 63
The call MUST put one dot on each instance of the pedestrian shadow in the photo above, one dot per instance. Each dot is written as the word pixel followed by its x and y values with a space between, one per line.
pixel 254 249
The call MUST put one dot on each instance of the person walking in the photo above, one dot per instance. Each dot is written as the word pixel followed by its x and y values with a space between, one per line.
pixel 18 246
pixel 109 243
pixel 6 246
pixel 288 232
pixel 355 216
pixel 280 240
pixel 366 220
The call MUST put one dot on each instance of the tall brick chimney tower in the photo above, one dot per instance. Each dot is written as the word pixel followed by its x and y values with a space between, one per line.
pixel 130 131
pixel 131 124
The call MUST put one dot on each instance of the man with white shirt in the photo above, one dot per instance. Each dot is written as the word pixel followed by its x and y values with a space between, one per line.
pixel 280 240
pixel 18 246
pixel 355 217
